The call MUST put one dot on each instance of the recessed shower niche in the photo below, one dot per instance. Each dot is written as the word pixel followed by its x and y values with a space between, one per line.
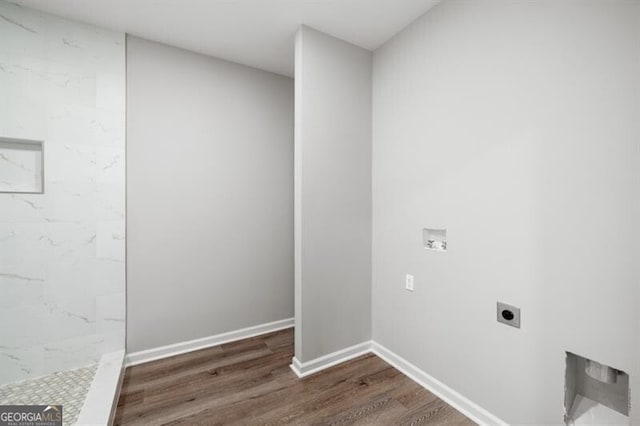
pixel 21 166
pixel 595 393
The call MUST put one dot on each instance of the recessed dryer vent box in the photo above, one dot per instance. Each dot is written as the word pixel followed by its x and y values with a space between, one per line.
pixel 435 239
pixel 595 393
pixel 21 166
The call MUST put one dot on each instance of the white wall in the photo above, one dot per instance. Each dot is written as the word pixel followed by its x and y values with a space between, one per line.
pixel 333 194
pixel 210 196
pixel 62 272
pixel 515 126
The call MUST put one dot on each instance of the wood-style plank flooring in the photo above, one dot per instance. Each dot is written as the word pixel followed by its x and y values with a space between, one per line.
pixel 249 383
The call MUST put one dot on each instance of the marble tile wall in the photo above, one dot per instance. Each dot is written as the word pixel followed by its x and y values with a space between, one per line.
pixel 62 270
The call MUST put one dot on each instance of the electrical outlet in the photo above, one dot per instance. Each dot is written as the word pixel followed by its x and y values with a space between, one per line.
pixel 508 314
pixel 408 282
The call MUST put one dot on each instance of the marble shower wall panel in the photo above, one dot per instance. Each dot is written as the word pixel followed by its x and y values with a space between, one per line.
pixel 62 253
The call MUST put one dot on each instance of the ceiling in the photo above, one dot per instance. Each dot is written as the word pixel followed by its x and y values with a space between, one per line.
pixel 258 33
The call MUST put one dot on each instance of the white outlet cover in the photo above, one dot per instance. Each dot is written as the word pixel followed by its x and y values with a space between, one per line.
pixel 408 284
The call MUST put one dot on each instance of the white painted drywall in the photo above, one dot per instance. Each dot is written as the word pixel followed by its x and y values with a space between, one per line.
pixel 210 196
pixel 516 126
pixel 333 194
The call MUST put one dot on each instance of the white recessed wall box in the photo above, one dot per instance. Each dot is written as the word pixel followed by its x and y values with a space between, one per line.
pixel 435 239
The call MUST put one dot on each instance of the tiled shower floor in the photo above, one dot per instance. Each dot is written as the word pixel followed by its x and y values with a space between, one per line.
pixel 67 388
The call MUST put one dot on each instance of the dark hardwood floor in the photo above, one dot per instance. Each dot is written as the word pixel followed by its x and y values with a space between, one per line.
pixel 249 383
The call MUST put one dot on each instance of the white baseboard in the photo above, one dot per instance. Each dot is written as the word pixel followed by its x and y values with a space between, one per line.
pixel 153 354
pixel 303 369
pixel 464 405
